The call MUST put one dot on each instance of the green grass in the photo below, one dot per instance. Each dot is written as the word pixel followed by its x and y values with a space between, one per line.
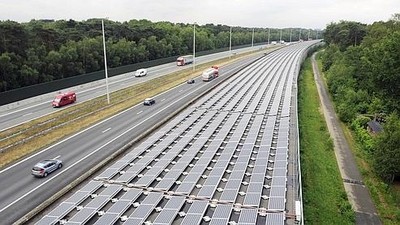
pixel 386 197
pixel 325 200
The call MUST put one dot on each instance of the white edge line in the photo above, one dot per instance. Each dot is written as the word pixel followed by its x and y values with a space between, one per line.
pixel 86 156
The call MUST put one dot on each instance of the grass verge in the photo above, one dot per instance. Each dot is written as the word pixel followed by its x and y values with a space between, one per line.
pixel 325 200
pixel 386 197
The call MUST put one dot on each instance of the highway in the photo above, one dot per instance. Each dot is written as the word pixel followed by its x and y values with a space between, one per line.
pixel 21 192
pixel 14 114
pixel 230 157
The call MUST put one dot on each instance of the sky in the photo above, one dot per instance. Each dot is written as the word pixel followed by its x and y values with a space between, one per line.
pixel 309 14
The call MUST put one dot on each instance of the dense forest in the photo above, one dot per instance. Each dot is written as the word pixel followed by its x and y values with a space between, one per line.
pixel 45 50
pixel 362 67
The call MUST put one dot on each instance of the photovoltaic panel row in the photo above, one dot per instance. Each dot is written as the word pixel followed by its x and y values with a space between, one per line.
pixel 189 156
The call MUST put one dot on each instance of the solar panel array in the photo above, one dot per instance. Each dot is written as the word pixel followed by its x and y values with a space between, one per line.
pixel 222 161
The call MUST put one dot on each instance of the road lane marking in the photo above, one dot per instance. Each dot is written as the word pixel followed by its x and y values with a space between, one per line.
pixel 106 130
pixel 57 157
pixel 171 65
pixel 93 152
pixel 27 114
pixel 139 112
pixel 163 99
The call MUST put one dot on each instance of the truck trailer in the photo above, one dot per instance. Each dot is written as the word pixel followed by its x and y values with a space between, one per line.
pixel 183 60
pixel 209 74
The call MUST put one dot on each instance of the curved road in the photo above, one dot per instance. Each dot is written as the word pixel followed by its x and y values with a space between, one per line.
pixel 227 158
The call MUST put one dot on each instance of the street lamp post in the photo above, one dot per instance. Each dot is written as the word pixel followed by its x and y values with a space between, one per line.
pixel 269 32
pixel 290 36
pixel 194 46
pixel 299 34
pixel 280 37
pixel 230 42
pixel 252 39
pixel 105 61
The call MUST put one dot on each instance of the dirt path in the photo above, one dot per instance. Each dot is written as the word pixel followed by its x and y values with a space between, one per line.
pixel 357 192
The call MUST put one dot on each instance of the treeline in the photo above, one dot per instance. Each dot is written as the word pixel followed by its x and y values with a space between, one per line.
pixel 46 50
pixel 362 66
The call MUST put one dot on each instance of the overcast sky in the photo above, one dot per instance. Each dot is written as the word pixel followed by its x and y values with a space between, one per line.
pixel 314 14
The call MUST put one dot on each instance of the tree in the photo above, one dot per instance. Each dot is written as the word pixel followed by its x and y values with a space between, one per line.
pixel 386 156
pixel 345 34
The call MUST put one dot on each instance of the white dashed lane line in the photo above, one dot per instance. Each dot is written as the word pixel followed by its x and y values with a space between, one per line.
pixel 106 130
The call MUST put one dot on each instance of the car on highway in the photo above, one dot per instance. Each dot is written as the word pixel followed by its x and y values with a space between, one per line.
pixel 64 99
pixel 141 73
pixel 45 167
pixel 190 81
pixel 149 101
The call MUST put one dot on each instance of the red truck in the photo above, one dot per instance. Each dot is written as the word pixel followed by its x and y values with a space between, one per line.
pixel 64 99
pixel 183 60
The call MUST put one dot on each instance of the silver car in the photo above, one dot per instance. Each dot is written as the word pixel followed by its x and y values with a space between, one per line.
pixel 45 167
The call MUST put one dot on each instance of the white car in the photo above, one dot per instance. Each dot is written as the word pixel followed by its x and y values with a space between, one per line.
pixel 141 72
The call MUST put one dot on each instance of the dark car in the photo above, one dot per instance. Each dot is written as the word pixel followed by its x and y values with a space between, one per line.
pixel 45 167
pixel 190 81
pixel 149 101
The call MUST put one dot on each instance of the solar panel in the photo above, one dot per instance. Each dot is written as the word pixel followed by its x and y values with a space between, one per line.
pixel 239 132
pixel 166 216
pixel 134 221
pixel 61 210
pixel 229 195
pixel 143 211
pixel 131 194
pixel 111 190
pixel 82 216
pixel 98 202
pixel 91 186
pixel 107 219
pixel 175 202
pixel 276 203
pixel 192 219
pixel 152 198
pixel 248 216
pixel 275 218
pixel 119 207
pixel 47 220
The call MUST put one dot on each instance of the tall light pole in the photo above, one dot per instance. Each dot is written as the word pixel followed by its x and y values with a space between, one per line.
pixel 290 36
pixel 269 33
pixel 105 61
pixel 299 34
pixel 280 37
pixel 308 38
pixel 230 42
pixel 252 39
pixel 194 46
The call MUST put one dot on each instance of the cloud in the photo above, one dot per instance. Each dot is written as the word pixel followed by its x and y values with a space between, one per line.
pixel 246 13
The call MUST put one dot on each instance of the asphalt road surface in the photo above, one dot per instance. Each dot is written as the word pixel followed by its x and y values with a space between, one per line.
pixel 225 158
pixel 17 113
pixel 21 192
